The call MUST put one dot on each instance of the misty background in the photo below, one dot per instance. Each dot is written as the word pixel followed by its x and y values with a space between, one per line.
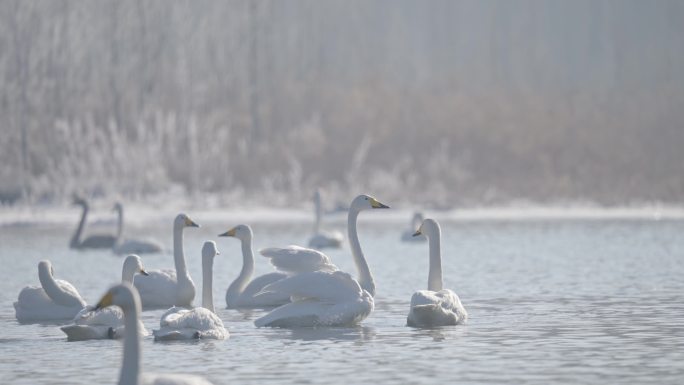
pixel 439 103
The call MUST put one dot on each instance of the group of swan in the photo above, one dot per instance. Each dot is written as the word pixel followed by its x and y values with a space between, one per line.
pixel 308 290
pixel 117 243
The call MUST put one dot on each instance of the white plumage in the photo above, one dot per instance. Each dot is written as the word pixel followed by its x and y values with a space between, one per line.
pixel 321 238
pixel 130 245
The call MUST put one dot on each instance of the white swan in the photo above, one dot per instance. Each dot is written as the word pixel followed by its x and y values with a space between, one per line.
pixel 328 298
pixel 108 322
pixel 164 288
pixel 435 306
pixel 409 234
pixel 54 300
pixel 200 322
pixel 291 260
pixel 132 246
pixel 321 238
pixel 126 297
pixel 98 241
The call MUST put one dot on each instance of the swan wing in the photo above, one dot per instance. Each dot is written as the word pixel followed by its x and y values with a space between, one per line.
pixel 249 295
pixel 34 305
pixel 320 285
pixel 74 298
pixel 296 259
pixel 99 242
pixel 173 379
pixel 158 289
pixel 178 323
pixel 429 308
pixel 138 246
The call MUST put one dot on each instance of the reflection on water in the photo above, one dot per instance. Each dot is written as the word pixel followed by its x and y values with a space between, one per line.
pixel 548 302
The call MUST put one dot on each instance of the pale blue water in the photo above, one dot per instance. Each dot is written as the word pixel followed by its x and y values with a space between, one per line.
pixel 550 302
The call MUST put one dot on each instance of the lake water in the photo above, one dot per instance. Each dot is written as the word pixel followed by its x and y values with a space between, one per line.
pixel 549 302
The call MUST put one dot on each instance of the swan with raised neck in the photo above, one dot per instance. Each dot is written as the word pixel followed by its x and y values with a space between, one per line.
pixel 432 231
pixel 244 234
pixel 52 289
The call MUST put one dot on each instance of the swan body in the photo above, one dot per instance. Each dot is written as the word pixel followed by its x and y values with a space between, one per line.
pixel 97 241
pixel 107 323
pixel 129 245
pixel 165 288
pixel 435 306
pixel 126 297
pixel 327 298
pixel 409 234
pixel 242 293
pixel 323 239
pixel 54 300
pixel 200 322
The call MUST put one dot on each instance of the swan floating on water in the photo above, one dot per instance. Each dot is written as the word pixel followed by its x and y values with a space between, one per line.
pixel 323 298
pixel 409 234
pixel 107 323
pixel 54 300
pixel 97 241
pixel 321 238
pixel 291 260
pixel 129 245
pixel 126 297
pixel 165 288
pixel 201 322
pixel 435 306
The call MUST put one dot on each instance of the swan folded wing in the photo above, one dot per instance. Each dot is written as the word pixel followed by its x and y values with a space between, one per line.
pixel 296 259
pixel 436 308
pixel 323 286
pixel 173 379
pixel 135 246
pixel 157 288
pixel 258 283
pixel 313 312
pixel 198 318
pixel 70 297
pixel 109 316
pixel 99 241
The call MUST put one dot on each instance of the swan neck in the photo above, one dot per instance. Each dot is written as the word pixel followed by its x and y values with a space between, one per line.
pixel 435 274
pixel 178 255
pixel 236 288
pixel 318 212
pixel 130 369
pixel 365 276
pixel 119 229
pixel 52 289
pixel 207 273
pixel 76 239
pixel 127 275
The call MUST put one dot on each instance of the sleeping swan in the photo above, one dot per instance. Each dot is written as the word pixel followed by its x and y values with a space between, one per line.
pixel 323 298
pixel 108 322
pixel 53 300
pixel 164 288
pixel 201 322
pixel 435 306
pixel 126 297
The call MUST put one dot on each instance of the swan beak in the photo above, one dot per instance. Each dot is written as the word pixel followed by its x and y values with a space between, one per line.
pixel 105 301
pixel 143 272
pixel 229 233
pixel 417 233
pixel 377 205
pixel 190 223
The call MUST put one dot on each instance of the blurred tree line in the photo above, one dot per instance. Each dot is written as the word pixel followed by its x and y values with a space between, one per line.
pixel 439 102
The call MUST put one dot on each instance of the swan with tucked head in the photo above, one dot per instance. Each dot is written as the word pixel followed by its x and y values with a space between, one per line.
pixel 105 323
pixel 164 288
pixel 97 241
pixel 126 297
pixel 131 245
pixel 323 239
pixel 242 293
pixel 409 234
pixel 323 298
pixel 53 300
pixel 200 322
pixel 435 306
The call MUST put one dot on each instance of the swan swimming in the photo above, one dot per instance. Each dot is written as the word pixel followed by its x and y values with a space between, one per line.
pixel 132 246
pixel 409 234
pixel 290 260
pixel 126 297
pixel 97 241
pixel 53 300
pixel 435 306
pixel 201 322
pixel 321 238
pixel 105 323
pixel 165 288
pixel 323 298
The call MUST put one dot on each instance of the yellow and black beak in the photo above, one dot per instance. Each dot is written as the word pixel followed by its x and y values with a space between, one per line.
pixel 377 205
pixel 417 233
pixel 143 272
pixel 229 233
pixel 190 223
pixel 105 301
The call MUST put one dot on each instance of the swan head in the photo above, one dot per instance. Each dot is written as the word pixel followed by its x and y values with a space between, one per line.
pixel 79 200
pixel 209 250
pixel 429 228
pixel 117 207
pixel 183 220
pixel 365 202
pixel 133 265
pixel 45 267
pixel 241 232
pixel 123 295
